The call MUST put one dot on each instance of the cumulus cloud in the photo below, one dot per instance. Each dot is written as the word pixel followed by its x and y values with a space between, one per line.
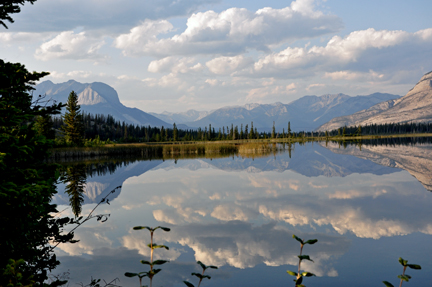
pixel 134 240
pixel 71 45
pixel 175 65
pixel 143 37
pixel 351 51
pixel 89 239
pixel 228 65
pixel 243 245
pixel 231 211
pixel 232 31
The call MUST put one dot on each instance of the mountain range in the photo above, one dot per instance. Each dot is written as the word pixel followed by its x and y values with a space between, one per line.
pixel 306 113
pixel 415 106
pixel 321 113
pixel 96 98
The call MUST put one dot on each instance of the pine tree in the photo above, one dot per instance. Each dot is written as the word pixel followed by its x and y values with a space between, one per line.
pixel 44 126
pixel 289 129
pixel 273 133
pixel 73 128
pixel 175 132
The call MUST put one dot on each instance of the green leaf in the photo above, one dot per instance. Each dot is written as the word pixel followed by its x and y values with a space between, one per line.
pixel 307 274
pixel 141 227
pixel 165 228
pixel 160 246
pixel 200 276
pixel 403 262
pixel 299 281
pixel 311 241
pixel 188 284
pixel 388 284
pixel 404 277
pixel 298 239
pixel 304 257
pixel 212 266
pixel 292 273
pixel 159 262
pixel 145 262
pixel 414 266
pixel 129 274
pixel 202 265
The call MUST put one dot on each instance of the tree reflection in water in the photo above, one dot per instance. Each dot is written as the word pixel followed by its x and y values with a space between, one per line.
pixel 75 178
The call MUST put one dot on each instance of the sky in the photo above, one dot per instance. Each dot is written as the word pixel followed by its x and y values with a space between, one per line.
pixel 176 55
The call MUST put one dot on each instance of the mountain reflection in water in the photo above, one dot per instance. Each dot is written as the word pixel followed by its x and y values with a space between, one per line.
pixel 240 213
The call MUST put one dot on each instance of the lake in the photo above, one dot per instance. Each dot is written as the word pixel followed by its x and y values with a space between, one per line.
pixel 367 205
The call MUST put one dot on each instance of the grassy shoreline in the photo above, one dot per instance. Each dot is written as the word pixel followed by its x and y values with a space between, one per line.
pixel 162 149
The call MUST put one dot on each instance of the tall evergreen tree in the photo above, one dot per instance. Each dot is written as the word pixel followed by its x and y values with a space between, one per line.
pixel 75 177
pixel 289 129
pixel 175 132
pixel 73 128
pixel 273 133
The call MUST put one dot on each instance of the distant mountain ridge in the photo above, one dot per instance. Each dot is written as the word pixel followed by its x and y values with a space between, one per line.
pixel 188 116
pixel 415 106
pixel 97 98
pixel 306 113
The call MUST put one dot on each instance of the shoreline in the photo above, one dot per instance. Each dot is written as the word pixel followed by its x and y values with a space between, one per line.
pixel 161 149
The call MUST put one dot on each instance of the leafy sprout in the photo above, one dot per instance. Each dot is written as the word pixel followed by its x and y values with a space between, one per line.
pixel 403 276
pixel 200 276
pixel 300 275
pixel 151 263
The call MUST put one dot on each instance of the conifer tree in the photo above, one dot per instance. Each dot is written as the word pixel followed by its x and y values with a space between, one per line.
pixel 175 132
pixel 273 133
pixel 44 126
pixel 289 129
pixel 73 128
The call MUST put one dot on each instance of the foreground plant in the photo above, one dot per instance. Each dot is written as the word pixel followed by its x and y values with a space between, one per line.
pixel 200 276
pixel 403 276
pixel 299 275
pixel 150 274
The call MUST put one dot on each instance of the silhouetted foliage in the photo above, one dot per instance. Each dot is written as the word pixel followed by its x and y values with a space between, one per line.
pixel 26 182
pixel 8 7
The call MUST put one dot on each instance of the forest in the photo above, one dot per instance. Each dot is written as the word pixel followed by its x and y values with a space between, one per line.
pixel 106 128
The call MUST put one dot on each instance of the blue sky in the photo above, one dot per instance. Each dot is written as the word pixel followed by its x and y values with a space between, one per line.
pixel 175 55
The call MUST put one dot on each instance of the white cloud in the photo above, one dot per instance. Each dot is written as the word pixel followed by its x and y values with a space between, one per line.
pixel 227 212
pixel 232 31
pixel 348 75
pixel 71 45
pixel 89 239
pixel 142 38
pixel 228 65
pixel 242 245
pixel 175 65
pixel 134 240
pixel 350 51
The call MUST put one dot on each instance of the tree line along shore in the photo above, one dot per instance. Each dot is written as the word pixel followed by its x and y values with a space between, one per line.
pixel 76 134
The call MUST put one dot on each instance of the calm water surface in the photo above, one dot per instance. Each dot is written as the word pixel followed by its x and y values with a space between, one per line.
pixel 366 207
